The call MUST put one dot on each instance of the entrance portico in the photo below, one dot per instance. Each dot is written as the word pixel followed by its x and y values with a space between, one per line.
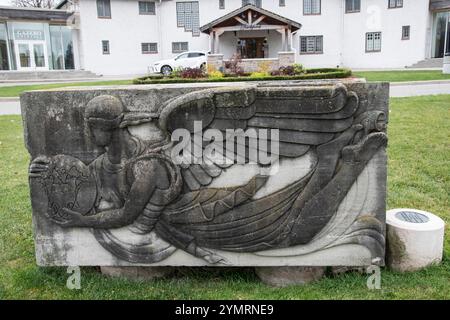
pixel 256 34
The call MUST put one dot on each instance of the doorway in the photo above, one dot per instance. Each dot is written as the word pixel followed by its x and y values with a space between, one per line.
pixel 252 48
pixel 439 32
pixel 31 55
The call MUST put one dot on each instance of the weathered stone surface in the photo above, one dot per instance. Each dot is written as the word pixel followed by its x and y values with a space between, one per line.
pixel 138 273
pixel 415 239
pixel 108 189
pixel 289 276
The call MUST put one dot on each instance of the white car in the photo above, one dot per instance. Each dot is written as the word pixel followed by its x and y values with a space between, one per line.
pixel 190 59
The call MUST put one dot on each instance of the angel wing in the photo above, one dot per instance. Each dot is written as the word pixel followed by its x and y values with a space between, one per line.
pixel 307 118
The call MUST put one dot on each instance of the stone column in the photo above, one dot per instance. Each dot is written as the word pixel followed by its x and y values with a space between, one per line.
pixel 215 60
pixel 286 58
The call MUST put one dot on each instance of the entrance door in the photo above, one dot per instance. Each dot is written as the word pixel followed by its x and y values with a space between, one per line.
pixel 251 48
pixel 31 55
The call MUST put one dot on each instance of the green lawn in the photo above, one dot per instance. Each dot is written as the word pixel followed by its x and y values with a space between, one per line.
pixel 419 176
pixel 15 91
pixel 399 76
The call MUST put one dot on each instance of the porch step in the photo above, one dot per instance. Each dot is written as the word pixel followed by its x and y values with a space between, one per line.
pixel 46 75
pixel 428 63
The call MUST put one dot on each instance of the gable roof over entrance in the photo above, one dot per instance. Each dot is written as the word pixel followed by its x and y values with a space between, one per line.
pixel 238 17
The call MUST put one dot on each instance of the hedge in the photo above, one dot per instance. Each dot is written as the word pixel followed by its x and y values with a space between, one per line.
pixel 311 74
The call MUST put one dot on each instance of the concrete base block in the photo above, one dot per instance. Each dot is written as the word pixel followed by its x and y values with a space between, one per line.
pixel 446 66
pixel 137 273
pixel 288 276
pixel 415 239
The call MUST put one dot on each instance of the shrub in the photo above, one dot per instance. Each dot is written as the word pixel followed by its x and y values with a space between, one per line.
pixel 264 67
pixel 287 70
pixel 258 75
pixel 234 65
pixel 309 74
pixel 295 69
pixel 192 73
pixel 215 74
pixel 298 68
pixel 210 68
pixel 276 73
pixel 177 72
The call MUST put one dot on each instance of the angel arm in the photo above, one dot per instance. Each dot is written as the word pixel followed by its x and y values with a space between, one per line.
pixel 140 193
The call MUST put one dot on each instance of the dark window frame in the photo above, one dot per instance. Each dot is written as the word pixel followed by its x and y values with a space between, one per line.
pixel 315 13
pixel 353 5
pixel 149 46
pixel 146 13
pixel 397 4
pixel 315 39
pixel 108 2
pixel 408 36
pixel 258 3
pixel 221 4
pixel 108 47
pixel 366 41
pixel 180 44
pixel 282 3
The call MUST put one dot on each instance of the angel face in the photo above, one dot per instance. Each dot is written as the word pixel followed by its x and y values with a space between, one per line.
pixel 102 137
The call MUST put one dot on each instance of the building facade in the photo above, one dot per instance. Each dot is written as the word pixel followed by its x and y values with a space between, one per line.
pixel 113 37
pixel 33 39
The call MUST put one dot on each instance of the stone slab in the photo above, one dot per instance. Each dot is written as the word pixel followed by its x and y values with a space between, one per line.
pixel 107 191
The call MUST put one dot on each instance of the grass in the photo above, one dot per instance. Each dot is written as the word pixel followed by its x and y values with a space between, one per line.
pixel 15 91
pixel 419 176
pixel 399 76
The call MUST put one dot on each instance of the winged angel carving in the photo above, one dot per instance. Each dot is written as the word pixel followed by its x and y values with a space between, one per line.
pixel 142 206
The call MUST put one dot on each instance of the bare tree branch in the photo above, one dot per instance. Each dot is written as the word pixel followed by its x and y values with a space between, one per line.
pixel 34 3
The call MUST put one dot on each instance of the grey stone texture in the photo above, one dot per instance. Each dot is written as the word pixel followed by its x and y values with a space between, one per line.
pixel 107 188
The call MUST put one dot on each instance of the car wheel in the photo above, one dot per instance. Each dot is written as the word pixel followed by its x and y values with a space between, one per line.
pixel 166 70
pixel 203 66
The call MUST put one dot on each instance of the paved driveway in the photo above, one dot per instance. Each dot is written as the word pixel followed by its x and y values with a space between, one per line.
pixel 9 106
pixel 410 89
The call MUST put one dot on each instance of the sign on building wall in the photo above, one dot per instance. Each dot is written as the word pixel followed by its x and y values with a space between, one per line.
pixel 22 34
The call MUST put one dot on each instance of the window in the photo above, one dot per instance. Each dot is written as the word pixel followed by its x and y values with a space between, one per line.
pixel 221 4
pixel 395 4
pixel 182 56
pixel 103 8
pixel 146 7
pixel 406 32
pixel 195 54
pixel 256 3
pixel 178 47
pixel 149 47
pixel 105 46
pixel 311 44
pixel 352 6
pixel 311 7
pixel 373 41
pixel 282 3
pixel 188 17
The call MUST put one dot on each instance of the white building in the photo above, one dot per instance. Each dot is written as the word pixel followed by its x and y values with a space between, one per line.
pixel 126 36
